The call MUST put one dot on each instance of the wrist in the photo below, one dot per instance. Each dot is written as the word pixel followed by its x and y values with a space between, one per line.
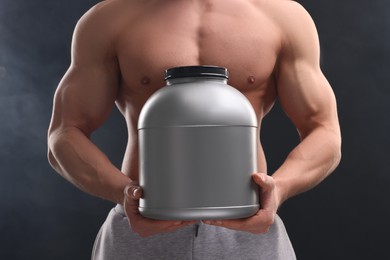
pixel 118 190
pixel 280 192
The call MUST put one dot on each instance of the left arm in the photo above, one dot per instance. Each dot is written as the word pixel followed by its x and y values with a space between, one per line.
pixel 307 98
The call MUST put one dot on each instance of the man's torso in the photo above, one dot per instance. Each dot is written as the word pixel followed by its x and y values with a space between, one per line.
pixel 152 36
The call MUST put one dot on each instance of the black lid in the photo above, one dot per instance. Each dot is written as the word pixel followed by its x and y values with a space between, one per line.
pixel 196 71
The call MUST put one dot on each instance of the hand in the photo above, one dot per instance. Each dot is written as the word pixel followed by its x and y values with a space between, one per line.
pixel 264 218
pixel 145 226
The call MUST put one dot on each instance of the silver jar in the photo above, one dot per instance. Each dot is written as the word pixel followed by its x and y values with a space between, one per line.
pixel 198 148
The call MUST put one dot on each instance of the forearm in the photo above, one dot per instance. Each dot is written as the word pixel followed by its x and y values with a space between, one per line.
pixel 78 160
pixel 317 155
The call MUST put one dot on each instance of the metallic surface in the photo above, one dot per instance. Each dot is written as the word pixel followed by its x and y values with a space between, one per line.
pixel 198 150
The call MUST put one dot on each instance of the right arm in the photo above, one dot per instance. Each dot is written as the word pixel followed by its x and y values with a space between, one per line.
pixel 82 102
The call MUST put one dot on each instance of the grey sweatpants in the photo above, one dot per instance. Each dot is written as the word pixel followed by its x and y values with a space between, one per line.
pixel 116 241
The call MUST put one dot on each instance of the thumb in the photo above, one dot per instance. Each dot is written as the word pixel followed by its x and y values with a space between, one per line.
pixel 263 180
pixel 133 192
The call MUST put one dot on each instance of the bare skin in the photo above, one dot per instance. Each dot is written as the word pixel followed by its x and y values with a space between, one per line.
pixel 119 53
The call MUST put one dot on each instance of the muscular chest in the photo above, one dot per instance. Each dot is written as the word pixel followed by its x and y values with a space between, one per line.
pixel 234 35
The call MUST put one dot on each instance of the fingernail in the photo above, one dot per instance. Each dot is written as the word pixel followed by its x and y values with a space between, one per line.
pixel 134 191
pixel 258 177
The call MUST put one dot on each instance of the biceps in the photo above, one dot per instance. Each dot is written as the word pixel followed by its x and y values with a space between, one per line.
pixel 84 99
pixel 306 97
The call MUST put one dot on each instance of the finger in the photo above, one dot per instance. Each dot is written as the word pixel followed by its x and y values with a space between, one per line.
pixel 133 192
pixel 131 207
pixel 231 224
pixel 163 224
pixel 178 224
pixel 268 201
pixel 131 203
pixel 263 180
pixel 148 227
pixel 260 223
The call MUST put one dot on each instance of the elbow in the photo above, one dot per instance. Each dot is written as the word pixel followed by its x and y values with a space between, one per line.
pixel 51 159
pixel 50 153
pixel 337 154
pixel 333 137
pixel 53 144
pixel 337 157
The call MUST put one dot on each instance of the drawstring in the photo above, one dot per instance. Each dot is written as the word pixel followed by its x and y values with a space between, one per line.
pixel 196 229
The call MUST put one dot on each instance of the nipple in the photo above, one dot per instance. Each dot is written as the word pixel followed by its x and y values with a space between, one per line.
pixel 145 80
pixel 251 79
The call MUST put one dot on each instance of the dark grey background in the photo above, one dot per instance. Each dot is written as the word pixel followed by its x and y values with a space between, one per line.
pixel 44 217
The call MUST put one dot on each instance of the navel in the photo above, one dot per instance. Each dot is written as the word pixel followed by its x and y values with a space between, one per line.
pixel 251 80
pixel 145 80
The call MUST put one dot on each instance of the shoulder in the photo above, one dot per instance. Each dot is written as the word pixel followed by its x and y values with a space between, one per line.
pixel 286 11
pixel 281 9
pixel 101 15
pixel 290 16
pixel 297 28
pixel 295 18
pixel 102 23
pixel 109 15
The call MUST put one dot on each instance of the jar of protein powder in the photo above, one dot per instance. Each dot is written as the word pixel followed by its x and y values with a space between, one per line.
pixel 198 148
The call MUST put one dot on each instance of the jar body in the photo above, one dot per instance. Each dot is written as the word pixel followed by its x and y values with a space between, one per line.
pixel 194 164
